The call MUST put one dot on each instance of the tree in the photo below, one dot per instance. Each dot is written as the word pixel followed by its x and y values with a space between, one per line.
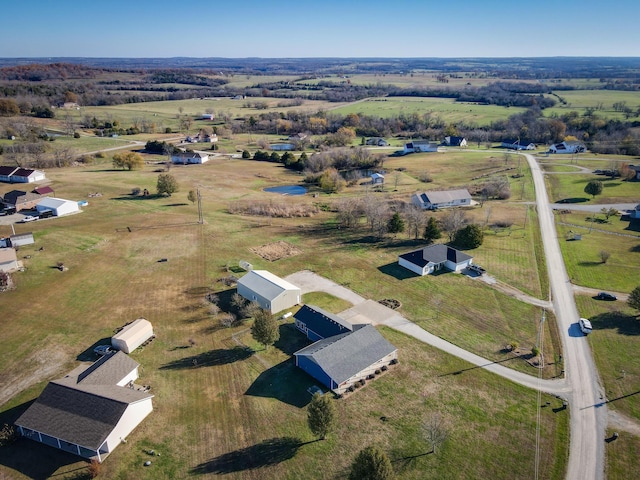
pixel 609 212
pixel 321 415
pixel 265 328
pixel 435 432
pixel 470 236
pixel 246 155
pixel 593 188
pixel 432 231
pixel 129 161
pixel 453 221
pixel 167 184
pixel 331 181
pixel 634 298
pixel 604 256
pixel 395 224
pixel 371 464
pixel 191 196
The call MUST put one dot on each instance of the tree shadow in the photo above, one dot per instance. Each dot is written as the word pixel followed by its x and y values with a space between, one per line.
pixel 589 264
pixel 211 358
pixel 634 225
pixel 89 355
pixel 291 339
pixel 284 382
pixel 573 200
pixel 623 323
pixel 130 197
pixel 635 249
pixel 396 271
pixel 264 454
pixel 32 459
pixel 175 204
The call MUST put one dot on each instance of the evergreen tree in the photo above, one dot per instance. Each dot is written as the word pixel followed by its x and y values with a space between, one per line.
pixel 470 236
pixel 432 231
pixel 265 328
pixel 634 298
pixel 371 464
pixel 395 224
pixel 321 415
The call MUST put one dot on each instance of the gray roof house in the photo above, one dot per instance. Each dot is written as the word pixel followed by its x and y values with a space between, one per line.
pixel 271 292
pixel 341 360
pixel 442 199
pixel 433 258
pixel 91 410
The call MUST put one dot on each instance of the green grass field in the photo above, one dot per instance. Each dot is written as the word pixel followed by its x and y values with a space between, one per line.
pixel 571 187
pixel 580 100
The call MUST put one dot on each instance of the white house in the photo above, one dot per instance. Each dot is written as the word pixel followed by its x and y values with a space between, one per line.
pixel 58 206
pixel 451 141
pixel 132 335
pixel 8 260
pixel 442 199
pixel 377 142
pixel 271 292
pixel 420 146
pixel 568 147
pixel 20 175
pixel 433 258
pixel 518 144
pixel 185 158
pixel 91 410
pixel 207 116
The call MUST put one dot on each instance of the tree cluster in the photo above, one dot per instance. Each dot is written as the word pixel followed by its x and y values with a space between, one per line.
pixel 128 161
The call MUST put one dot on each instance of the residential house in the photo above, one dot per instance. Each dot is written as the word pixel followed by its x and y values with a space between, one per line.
pixel 298 136
pixel 8 260
pixel 568 147
pixel 420 146
pixel 58 206
pixel 317 323
pixel 91 410
pixel 185 158
pixel 21 200
pixel 452 141
pixel 20 175
pixel 339 361
pixel 434 258
pixel 518 144
pixel 442 199
pixel 271 292
pixel 207 116
pixel 377 142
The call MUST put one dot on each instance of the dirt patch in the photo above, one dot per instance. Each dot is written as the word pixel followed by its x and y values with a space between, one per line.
pixel 276 251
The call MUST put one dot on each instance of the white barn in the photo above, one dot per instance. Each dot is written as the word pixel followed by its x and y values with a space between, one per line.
pixel 420 146
pixel 186 158
pixel 271 292
pixel 568 147
pixel 91 410
pixel 132 335
pixel 58 206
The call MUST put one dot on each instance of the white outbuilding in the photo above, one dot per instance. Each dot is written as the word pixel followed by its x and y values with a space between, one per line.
pixel 58 206
pixel 271 292
pixel 132 335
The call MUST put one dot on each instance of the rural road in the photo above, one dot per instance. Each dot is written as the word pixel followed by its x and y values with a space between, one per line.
pixel 588 407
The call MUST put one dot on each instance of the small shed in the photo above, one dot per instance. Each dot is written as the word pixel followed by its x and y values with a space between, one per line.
pixel 20 239
pixel 377 178
pixel 8 260
pixel 132 335
pixel 58 206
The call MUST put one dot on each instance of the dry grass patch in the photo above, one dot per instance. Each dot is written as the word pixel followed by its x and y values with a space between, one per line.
pixel 276 251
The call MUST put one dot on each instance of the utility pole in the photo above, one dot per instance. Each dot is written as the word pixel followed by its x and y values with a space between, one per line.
pixel 200 219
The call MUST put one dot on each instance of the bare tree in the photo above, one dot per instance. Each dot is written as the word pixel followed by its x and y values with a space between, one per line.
pixel 416 220
pixel 435 431
pixel 227 319
pixel 453 221
pixel 349 211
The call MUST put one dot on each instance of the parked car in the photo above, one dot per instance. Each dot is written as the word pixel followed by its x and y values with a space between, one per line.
pixel 477 269
pixel 103 350
pixel 29 218
pixel 46 214
pixel 606 296
pixel 585 326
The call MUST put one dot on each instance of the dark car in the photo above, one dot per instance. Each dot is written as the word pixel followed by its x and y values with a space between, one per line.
pixel 606 296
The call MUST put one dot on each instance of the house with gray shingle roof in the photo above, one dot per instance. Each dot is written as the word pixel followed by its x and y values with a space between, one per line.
pixel 341 360
pixel 434 258
pixel 442 199
pixel 91 410
pixel 317 323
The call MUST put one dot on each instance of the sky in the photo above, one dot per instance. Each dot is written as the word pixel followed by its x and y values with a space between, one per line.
pixel 328 28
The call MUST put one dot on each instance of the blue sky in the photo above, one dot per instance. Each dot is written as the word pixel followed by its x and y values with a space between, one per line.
pixel 328 28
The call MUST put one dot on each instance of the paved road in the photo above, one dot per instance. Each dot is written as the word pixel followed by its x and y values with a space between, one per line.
pixel 593 208
pixel 588 412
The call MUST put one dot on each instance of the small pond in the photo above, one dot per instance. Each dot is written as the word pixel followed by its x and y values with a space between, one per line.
pixel 287 190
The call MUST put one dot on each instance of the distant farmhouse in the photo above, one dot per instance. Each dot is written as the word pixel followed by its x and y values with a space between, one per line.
pixel 271 292
pixel 420 146
pixel 377 142
pixel 20 175
pixel 442 199
pixel 91 410
pixel 342 354
pixel 568 147
pixel 185 158
pixel 452 141
pixel 518 144
pixel 434 258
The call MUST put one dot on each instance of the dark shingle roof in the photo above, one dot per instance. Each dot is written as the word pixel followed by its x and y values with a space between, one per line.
pixel 438 253
pixel 16 197
pixel 343 356
pixel 323 323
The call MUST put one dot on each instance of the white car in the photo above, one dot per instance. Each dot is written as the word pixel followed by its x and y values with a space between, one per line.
pixel 29 218
pixel 585 326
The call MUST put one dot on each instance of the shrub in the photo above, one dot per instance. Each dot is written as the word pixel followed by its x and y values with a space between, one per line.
pixel 384 368
pixel 136 191
pixel 378 372
pixel 362 381
pixel 8 434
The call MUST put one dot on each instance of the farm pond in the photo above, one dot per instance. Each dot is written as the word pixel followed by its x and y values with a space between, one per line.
pixel 287 190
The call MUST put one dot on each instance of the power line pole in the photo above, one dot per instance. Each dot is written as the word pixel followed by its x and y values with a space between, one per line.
pixel 200 218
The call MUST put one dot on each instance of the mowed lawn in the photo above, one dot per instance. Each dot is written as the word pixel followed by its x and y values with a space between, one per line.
pixel 241 413
pixel 571 188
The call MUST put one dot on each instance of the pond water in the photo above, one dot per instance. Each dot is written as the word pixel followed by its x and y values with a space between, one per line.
pixel 287 190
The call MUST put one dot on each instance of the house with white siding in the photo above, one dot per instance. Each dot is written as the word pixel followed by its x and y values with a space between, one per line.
pixel 188 158
pixel 435 258
pixel 271 292
pixel 568 147
pixel 442 199
pixel 417 146
pixel 91 410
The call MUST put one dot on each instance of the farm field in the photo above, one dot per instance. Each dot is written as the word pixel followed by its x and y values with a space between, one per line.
pixel 571 189
pixel 580 100
pixel 446 109
pixel 245 406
